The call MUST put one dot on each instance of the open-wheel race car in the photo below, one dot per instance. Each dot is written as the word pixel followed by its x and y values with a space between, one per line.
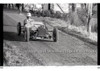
pixel 42 32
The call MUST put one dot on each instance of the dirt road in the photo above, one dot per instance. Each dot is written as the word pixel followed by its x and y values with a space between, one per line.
pixel 68 50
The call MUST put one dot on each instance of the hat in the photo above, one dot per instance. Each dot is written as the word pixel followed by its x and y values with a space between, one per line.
pixel 29 14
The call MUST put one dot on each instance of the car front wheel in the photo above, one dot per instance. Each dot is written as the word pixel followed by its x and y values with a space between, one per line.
pixel 19 28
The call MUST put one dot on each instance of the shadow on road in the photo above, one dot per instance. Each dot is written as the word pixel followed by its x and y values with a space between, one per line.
pixel 9 25
pixel 42 40
pixel 12 36
pixel 79 37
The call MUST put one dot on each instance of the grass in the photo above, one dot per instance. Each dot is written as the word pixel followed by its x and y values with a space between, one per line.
pixel 80 30
pixel 13 56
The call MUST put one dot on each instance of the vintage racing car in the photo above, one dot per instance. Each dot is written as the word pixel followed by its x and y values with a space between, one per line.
pixel 42 32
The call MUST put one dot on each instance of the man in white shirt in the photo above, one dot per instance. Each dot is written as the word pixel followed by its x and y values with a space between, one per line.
pixel 29 23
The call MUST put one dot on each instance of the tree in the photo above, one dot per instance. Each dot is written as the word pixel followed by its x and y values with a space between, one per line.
pixel 89 18
pixel 73 7
pixel 19 6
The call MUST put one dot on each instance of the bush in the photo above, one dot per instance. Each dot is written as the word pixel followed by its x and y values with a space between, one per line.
pixel 83 16
pixel 64 16
pixel 95 28
pixel 38 13
pixel 58 14
pixel 35 13
pixel 93 24
pixel 52 13
pixel 46 13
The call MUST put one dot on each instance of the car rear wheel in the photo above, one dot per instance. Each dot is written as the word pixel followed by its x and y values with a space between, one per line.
pixel 19 28
pixel 55 35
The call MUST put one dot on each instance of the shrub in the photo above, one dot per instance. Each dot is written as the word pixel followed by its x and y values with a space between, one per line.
pixel 64 16
pixel 58 14
pixel 46 13
pixel 52 13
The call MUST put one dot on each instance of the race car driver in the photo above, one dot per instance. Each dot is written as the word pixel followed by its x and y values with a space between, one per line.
pixel 30 23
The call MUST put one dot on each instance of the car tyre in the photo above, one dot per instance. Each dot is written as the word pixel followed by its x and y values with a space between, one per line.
pixel 19 29
pixel 55 35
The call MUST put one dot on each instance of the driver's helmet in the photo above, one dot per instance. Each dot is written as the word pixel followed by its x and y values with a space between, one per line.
pixel 28 15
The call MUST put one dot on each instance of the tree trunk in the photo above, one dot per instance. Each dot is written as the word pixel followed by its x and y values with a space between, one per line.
pixel 88 25
pixel 89 18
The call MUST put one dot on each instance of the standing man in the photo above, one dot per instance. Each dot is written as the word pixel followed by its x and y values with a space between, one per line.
pixel 19 6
